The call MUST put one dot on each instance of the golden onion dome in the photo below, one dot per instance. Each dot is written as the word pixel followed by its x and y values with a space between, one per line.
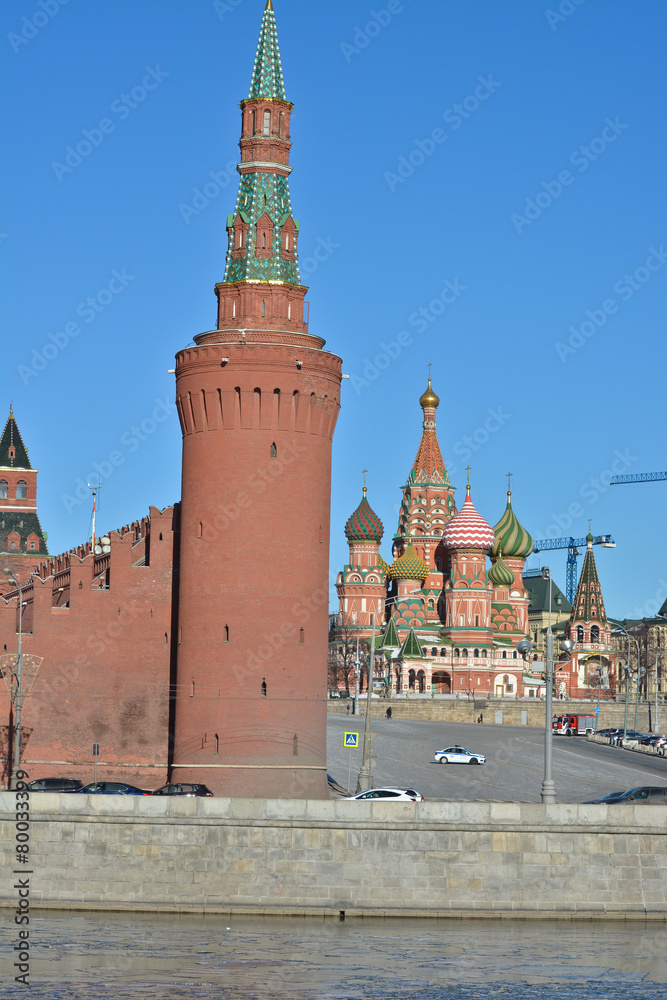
pixel 429 398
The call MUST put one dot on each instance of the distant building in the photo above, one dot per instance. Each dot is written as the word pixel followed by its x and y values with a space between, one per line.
pixel 538 610
pixel 650 635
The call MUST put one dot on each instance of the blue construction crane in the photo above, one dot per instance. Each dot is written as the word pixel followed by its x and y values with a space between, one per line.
pixel 572 545
pixel 640 477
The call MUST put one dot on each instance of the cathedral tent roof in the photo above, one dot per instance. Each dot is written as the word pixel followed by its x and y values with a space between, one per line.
pixel 428 465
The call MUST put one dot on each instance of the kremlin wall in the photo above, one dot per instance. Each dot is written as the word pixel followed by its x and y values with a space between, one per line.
pixel 158 642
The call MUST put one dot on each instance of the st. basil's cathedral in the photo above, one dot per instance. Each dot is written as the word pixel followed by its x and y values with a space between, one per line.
pixel 444 623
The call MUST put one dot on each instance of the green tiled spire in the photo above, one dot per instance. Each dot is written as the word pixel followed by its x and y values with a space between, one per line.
pixel 13 453
pixel 267 75
pixel 411 650
pixel 263 202
pixel 390 639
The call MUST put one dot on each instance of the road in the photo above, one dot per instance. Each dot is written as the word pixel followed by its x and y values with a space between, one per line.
pixel 514 761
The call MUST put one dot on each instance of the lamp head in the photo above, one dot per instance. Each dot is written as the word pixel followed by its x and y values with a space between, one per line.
pixel 524 647
pixel 567 645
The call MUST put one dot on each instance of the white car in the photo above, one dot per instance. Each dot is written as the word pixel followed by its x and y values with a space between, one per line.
pixel 459 755
pixel 395 794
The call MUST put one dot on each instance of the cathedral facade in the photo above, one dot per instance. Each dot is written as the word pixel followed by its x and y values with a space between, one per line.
pixel 444 621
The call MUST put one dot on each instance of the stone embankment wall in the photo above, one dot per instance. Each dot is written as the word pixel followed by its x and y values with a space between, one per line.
pixel 512 713
pixel 319 858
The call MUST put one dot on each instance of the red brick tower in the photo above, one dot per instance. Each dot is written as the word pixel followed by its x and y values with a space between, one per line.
pixel 22 541
pixel 258 400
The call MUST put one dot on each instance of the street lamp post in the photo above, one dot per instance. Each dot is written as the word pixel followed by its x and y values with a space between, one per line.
pixel 365 773
pixel 618 628
pixel 640 673
pixel 16 760
pixel 548 793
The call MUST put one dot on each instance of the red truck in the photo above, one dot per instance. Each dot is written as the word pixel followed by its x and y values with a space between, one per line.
pixel 573 725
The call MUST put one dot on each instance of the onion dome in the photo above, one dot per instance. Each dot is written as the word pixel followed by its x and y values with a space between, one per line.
pixel 408 566
pixel 383 565
pixel 500 575
pixel 511 537
pixel 429 398
pixel 364 525
pixel 468 529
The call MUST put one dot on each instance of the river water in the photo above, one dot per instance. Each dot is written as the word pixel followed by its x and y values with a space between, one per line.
pixel 125 956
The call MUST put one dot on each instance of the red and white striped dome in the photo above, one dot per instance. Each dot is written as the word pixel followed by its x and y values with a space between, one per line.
pixel 468 529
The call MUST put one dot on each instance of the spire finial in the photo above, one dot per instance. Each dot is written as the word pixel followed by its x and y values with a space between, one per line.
pixel 364 472
pixel 509 483
pixel 468 468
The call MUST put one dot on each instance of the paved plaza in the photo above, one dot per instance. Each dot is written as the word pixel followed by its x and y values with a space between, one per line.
pixel 514 761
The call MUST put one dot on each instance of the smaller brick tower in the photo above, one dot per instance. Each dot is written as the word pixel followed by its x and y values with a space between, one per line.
pixel 469 537
pixel 22 541
pixel 258 400
pixel 593 661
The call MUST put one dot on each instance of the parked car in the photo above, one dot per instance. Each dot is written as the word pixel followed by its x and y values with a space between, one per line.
pixel 55 785
pixel 397 794
pixel 646 794
pixel 183 789
pixel 112 788
pixel 459 755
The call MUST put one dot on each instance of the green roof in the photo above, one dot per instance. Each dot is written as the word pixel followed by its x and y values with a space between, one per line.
pixel 390 640
pixel 411 648
pixel 267 75
pixel 13 453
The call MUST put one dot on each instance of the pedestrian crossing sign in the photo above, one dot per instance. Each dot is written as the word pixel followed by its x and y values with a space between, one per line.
pixel 350 739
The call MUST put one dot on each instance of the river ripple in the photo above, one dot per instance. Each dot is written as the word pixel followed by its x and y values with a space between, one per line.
pixel 128 957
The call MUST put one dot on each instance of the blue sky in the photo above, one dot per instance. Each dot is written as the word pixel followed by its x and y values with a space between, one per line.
pixel 484 184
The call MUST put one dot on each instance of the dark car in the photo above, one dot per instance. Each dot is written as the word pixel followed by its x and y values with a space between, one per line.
pixel 647 794
pixel 55 785
pixel 112 788
pixel 183 789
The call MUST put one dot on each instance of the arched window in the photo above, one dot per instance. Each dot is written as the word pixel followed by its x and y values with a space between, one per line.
pixel 274 450
pixel 504 654
pixel 476 652
pixel 263 308
pixel 4 489
pixel 483 654
pixel 263 241
pixel 434 652
pixel 302 636
pixel 225 637
pixel 465 652
pixel 267 123
pixel 280 124
pixel 264 687
pixel 424 651
pixel 595 633
pixel 443 652
pixel 253 122
pixel 21 489
pixel 457 652
pixel 580 633
pixel 515 655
